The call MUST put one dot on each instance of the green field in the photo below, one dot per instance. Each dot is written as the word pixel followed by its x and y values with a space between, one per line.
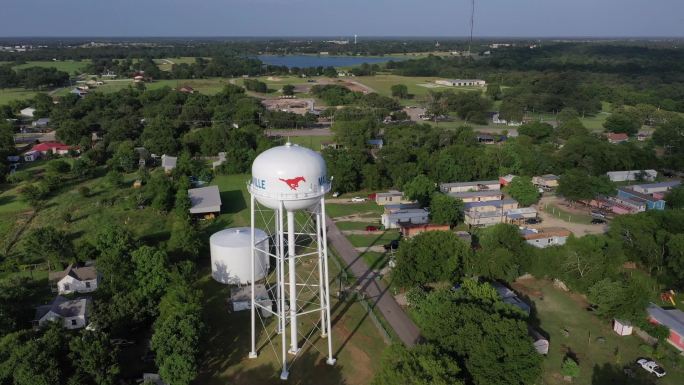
pixel 312 142
pixel 567 216
pixel 380 238
pixel 69 66
pixel 165 64
pixel 600 352
pixel 335 210
pixel 209 86
pixel 9 94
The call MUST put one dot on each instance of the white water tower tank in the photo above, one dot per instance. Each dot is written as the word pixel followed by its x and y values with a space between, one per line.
pixel 295 175
pixel 231 255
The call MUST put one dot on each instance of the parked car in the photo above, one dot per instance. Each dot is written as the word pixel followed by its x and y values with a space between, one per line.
pixel 532 221
pixel 358 199
pixel 371 228
pixel 393 245
pixel 651 367
pixel 598 214
pixel 597 221
pixel 336 194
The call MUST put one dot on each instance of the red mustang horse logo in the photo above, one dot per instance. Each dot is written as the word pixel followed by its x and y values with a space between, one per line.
pixel 293 183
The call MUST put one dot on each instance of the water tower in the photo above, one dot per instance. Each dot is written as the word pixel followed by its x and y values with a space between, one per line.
pixel 287 191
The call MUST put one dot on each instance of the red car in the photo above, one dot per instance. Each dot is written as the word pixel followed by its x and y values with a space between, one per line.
pixel 371 228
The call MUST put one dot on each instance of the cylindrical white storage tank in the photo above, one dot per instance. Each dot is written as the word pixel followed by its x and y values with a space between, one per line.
pixel 295 175
pixel 231 255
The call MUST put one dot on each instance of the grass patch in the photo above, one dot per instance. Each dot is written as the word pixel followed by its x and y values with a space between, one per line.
pixel 69 66
pixel 567 216
pixel 9 94
pixel 357 225
pixel 379 239
pixel 600 362
pixel 336 210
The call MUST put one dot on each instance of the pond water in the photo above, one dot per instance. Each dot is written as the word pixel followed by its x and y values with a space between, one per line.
pixel 306 61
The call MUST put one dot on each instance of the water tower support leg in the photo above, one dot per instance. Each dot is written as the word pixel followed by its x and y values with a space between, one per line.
pixel 294 349
pixel 253 352
pixel 331 360
pixel 321 277
pixel 284 373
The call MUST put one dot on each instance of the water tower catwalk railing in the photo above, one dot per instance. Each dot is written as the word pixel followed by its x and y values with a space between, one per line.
pixel 299 284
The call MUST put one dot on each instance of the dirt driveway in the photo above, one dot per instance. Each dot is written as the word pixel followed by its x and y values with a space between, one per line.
pixel 579 229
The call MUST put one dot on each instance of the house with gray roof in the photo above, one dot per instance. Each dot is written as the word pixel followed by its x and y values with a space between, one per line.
pixel 73 314
pixel 478 185
pixel 168 163
pixel 205 200
pixel 75 279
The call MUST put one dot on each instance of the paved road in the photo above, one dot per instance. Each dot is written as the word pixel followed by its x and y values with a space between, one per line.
pixel 376 291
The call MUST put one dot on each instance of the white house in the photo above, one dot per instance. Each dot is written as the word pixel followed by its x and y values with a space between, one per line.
pixel 72 313
pixel 168 163
pixel 623 176
pixel 461 82
pixel 32 156
pixel 27 112
pixel 541 238
pixel 394 220
pixel 205 200
pixel 479 185
pixel 75 279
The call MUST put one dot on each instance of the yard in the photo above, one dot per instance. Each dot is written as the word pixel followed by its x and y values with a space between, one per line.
pixel 417 86
pixel 574 331
pixel 69 66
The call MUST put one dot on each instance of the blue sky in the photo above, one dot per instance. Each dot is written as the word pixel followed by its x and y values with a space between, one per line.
pixel 341 18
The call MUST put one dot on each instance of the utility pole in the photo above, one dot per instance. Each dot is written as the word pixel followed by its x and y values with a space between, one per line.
pixel 472 24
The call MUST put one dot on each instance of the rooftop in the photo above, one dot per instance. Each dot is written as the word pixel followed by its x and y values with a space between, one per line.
pixel 80 273
pixel 673 318
pixel 204 198
pixel 497 204
pixel 471 194
pixel 672 183
pixel 464 184
pixel 168 161
pixel 63 307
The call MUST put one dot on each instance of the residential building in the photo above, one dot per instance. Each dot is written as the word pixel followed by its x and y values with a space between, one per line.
pixel 375 143
pixel 624 176
pixel 652 201
pixel 73 314
pixel 616 138
pixel 394 207
pixel 411 230
pixel 673 319
pixel 508 296
pixel 55 148
pixel 143 156
pixel 506 179
pixel 27 112
pixel 655 188
pixel 480 185
pixel 478 196
pixel 519 214
pixel 488 213
pixel 395 219
pixel 168 163
pixel 75 279
pixel 547 181
pixel 205 200
pixel 643 135
pixel 541 238
pixel 79 91
pixel 41 123
pixel 32 156
pixel 390 197
pixel 461 82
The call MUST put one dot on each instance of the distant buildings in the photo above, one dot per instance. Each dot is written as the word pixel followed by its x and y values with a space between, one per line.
pixel 616 138
pixel 548 181
pixel 461 82
pixel 478 196
pixel 480 185
pixel 205 200
pixel 488 213
pixel 624 176
pixel 390 197
pixel 394 219
pixel 42 149
pixel 652 195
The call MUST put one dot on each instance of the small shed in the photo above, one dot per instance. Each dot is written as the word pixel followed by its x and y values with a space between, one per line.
pixel 622 327
pixel 240 298
pixel 540 343
pixel 205 200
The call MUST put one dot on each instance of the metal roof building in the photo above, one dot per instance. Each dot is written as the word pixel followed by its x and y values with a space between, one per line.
pixel 205 200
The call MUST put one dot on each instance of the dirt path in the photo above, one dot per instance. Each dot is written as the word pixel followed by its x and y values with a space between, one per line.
pixel 579 229
pixel 377 249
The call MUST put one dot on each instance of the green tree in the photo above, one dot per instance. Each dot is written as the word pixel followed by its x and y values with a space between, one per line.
pixel 420 365
pixel 288 89
pixel 185 239
pixel 675 198
pixel 576 185
pixel 125 158
pixel 522 190
pixel 34 194
pixel 538 131
pixel 445 210
pixel 420 189
pixel 494 91
pixel 618 122
pixel 570 368
pixel 400 91
pixel 94 357
pixel 49 244
pixel 430 257
pixel 502 254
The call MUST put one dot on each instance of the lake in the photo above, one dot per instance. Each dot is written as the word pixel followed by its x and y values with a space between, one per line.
pixel 306 61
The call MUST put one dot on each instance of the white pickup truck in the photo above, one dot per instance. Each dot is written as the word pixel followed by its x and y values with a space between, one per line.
pixel 651 367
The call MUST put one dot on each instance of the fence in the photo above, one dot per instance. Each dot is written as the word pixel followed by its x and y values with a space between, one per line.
pixel 345 276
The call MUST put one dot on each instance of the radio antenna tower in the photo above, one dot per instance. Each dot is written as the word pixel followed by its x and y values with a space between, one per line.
pixel 472 25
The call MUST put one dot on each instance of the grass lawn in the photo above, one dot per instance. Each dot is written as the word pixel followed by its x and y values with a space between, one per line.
pixel 335 210
pixel 383 85
pixel 9 94
pixel 567 216
pixel 600 352
pixel 378 239
pixel 69 66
